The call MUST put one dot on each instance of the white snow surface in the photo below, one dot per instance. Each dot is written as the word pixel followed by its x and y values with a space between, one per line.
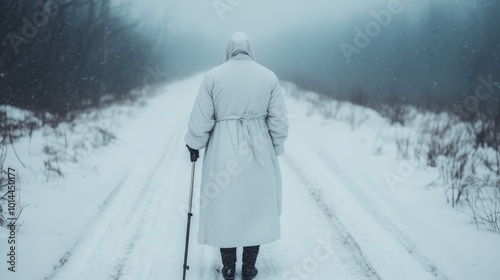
pixel 119 212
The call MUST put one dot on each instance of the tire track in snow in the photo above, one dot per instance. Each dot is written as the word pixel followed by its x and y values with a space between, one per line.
pixel 141 200
pixel 348 241
pixel 124 264
pixel 129 220
pixel 136 212
pixel 102 207
pixel 371 208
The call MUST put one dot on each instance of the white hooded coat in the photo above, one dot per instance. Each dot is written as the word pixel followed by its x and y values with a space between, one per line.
pixel 240 118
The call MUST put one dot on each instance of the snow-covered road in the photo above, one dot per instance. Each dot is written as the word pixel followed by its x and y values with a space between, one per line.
pixel 126 220
pixel 139 233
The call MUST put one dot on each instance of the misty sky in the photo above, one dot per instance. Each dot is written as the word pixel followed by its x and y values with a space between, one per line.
pixel 264 21
pixel 427 47
pixel 260 18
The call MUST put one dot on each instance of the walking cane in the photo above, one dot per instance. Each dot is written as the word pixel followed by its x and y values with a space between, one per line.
pixel 189 215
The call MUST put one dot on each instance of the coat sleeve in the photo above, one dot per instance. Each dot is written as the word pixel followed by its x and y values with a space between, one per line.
pixel 277 119
pixel 202 119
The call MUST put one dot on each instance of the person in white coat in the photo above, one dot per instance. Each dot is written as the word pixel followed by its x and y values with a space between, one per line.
pixel 240 118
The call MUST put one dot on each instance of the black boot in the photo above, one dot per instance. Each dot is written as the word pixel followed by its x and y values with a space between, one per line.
pixel 249 258
pixel 228 256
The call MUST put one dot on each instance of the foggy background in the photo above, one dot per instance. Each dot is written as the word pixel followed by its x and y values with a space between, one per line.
pixel 431 54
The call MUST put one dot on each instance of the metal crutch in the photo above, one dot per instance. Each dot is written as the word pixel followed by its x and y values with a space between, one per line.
pixel 189 215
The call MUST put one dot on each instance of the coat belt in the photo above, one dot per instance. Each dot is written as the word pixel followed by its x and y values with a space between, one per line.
pixel 244 121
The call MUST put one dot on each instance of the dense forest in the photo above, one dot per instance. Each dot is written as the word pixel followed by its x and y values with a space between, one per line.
pixel 67 55
pixel 434 57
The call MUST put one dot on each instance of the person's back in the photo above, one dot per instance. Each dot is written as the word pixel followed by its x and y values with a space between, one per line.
pixel 239 116
pixel 243 86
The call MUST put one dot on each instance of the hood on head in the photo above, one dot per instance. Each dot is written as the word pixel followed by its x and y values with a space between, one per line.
pixel 239 43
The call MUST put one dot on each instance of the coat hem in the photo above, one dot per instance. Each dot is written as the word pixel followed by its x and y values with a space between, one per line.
pixel 238 244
